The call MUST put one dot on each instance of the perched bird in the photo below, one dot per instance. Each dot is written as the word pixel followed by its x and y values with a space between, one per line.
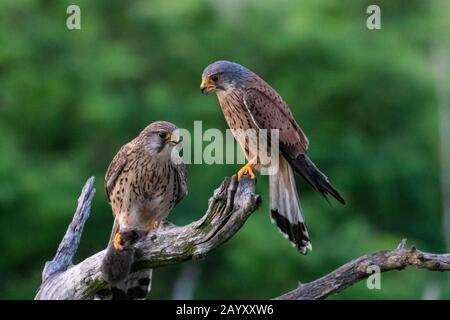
pixel 143 183
pixel 249 103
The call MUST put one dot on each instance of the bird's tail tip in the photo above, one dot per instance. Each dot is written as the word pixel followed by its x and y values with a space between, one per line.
pixel 330 190
pixel 296 233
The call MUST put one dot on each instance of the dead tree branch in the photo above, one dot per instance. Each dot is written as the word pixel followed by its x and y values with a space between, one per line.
pixel 69 244
pixel 228 209
pixel 363 267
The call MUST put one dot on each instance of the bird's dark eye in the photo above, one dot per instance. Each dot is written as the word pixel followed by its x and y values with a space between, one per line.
pixel 215 78
pixel 164 135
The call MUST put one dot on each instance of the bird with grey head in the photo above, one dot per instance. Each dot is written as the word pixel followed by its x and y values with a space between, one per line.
pixel 250 103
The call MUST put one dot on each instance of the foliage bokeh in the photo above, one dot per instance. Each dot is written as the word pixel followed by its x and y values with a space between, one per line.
pixel 366 99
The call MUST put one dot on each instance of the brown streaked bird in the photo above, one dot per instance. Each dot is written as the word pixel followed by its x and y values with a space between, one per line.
pixel 144 182
pixel 249 103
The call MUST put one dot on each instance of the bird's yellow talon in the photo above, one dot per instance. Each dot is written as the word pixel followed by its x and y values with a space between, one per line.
pixel 118 242
pixel 247 169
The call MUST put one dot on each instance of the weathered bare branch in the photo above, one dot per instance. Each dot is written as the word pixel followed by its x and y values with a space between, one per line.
pixel 358 269
pixel 228 209
pixel 71 240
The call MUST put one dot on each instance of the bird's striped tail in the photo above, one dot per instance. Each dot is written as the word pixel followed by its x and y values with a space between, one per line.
pixel 138 285
pixel 285 209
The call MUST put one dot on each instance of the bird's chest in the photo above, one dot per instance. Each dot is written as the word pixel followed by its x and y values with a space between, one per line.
pixel 147 195
pixel 235 112
pixel 241 123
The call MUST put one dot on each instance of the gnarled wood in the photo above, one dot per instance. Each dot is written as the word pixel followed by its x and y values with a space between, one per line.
pixel 228 209
pixel 71 240
pixel 362 268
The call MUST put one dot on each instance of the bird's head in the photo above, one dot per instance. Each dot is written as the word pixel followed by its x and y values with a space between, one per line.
pixel 223 76
pixel 161 137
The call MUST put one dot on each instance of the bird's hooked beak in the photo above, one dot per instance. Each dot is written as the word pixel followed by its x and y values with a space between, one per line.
pixel 206 86
pixel 175 137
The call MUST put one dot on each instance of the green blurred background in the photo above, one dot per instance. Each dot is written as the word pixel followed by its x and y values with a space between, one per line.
pixel 366 99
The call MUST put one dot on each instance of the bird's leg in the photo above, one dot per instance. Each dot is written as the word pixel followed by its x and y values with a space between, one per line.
pixel 152 226
pixel 118 244
pixel 247 169
pixel 155 225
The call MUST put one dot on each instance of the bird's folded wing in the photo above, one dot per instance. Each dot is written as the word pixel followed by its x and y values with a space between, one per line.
pixel 115 169
pixel 182 176
pixel 269 111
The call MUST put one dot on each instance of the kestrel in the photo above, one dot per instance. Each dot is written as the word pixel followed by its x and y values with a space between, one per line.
pixel 249 103
pixel 143 183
